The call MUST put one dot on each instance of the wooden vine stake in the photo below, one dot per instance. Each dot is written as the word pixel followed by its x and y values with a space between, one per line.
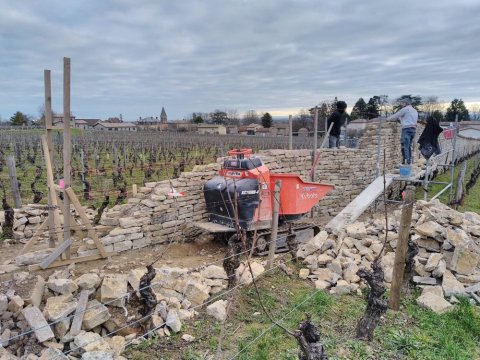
pixel 402 248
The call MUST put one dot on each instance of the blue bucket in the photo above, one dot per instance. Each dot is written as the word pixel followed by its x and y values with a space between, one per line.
pixel 405 170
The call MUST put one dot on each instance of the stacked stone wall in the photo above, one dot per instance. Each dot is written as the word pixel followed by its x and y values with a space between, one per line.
pixel 153 217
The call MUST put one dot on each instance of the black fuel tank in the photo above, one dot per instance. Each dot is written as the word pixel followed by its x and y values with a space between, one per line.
pixel 219 195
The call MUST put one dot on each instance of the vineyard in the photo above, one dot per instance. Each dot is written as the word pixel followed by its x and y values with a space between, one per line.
pixel 107 164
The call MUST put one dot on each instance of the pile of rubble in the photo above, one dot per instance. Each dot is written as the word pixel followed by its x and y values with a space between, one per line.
pixel 446 265
pixel 113 310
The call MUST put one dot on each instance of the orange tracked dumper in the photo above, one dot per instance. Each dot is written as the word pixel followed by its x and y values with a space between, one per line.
pixel 243 191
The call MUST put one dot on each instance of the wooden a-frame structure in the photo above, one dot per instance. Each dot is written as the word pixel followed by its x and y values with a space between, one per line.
pixel 59 231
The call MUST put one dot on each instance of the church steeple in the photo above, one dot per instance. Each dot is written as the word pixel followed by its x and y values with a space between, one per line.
pixel 163 116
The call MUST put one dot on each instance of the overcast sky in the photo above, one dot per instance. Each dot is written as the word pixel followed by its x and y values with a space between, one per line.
pixel 133 57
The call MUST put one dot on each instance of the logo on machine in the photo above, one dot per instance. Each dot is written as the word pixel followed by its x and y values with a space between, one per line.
pixel 307 194
pixel 249 192
pixel 234 173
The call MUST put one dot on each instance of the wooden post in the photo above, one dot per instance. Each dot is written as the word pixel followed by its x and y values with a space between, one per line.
pixel 67 144
pixel 49 154
pixel 12 172
pixel 454 156
pixel 315 142
pixel 460 184
pixel 402 247
pixel 273 238
pixel 290 132
pixel 134 189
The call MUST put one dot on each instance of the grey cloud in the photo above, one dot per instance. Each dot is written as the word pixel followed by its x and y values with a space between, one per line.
pixel 135 57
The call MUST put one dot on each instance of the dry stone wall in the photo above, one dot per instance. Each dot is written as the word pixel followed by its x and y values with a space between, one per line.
pixel 154 217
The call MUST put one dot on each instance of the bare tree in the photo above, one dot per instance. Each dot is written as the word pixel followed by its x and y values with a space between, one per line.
pixel 251 117
pixel 430 104
pixel 233 117
pixel 303 119
pixel 475 112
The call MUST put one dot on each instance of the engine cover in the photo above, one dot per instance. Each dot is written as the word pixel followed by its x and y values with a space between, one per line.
pixel 219 194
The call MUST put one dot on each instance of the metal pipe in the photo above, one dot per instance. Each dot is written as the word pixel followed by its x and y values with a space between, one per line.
pixel 441 192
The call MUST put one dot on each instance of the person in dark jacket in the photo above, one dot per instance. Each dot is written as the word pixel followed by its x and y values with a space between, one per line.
pixel 428 141
pixel 337 119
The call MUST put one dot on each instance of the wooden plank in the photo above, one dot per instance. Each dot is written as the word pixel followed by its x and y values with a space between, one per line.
pixel 402 248
pixel 361 203
pixel 52 195
pixel 213 227
pixel 58 251
pixel 54 127
pixel 91 232
pixel 37 322
pixel 12 173
pixel 67 158
pixel 79 312
pixel 34 238
pixel 37 267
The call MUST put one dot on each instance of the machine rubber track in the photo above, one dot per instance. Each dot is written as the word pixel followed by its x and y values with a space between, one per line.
pixel 303 231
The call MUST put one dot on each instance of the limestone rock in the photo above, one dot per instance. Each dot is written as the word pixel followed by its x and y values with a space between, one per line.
pixel 90 341
pixel 214 272
pixel 324 274
pixel 457 237
pixel 464 261
pixel 95 315
pixel 62 286
pixel 341 288
pixel 312 245
pixel 434 302
pixel 114 289
pixel 33 257
pixel 36 294
pixel 356 230
pixel 336 266
pixel 436 290
pixel 173 321
pixel 59 307
pixel 218 310
pixel 321 284
pixel 117 344
pixel 196 292
pixel 98 355
pixel 88 281
pixel 3 303
pixel 243 272
pixel 324 259
pixel 38 323
pixel 303 273
pixel 188 338
pixel 440 269
pixel 433 261
pixel 50 353
pixel 451 286
pixel 16 304
pixel 429 244
pixel 134 277
pixel 350 273
pixel 424 280
pixel 432 229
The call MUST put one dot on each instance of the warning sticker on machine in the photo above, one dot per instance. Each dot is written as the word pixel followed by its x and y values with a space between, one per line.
pixel 249 192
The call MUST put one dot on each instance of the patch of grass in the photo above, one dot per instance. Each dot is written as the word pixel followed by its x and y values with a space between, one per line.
pixel 412 333
pixel 471 201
